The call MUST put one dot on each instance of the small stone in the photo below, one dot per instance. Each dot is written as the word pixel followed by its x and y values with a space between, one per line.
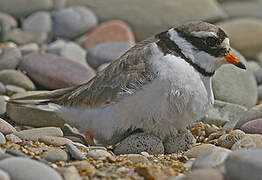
pixel 228 140
pixel 35 134
pixel 11 20
pixel 89 168
pixel 2 139
pixel 71 173
pixel 15 152
pixel 75 152
pixel 105 53
pixel 197 150
pixel 15 167
pixel 9 58
pixel 146 154
pixel 244 164
pixel 98 153
pixel 6 128
pixel 252 127
pixel 72 22
pixel 3 103
pixel 204 174
pixel 212 158
pixel 29 48
pixel 16 78
pixel 55 155
pixel 13 138
pixel 250 141
pixel 12 89
pixel 113 30
pixel 54 140
pixel 154 172
pixel 140 142
pixel 4 175
pixel 137 158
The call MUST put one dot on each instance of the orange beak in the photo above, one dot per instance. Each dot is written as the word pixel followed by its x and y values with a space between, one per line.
pixel 232 59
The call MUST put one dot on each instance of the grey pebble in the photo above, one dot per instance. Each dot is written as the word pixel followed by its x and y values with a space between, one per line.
pixel 75 152
pixel 13 138
pixel 98 153
pixel 2 139
pixel 55 155
pixel 71 173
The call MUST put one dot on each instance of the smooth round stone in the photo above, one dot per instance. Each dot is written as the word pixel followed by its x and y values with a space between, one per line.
pixel 249 44
pixel 16 78
pixel 113 30
pixel 5 30
pixel 11 90
pixel 4 175
pixel 253 66
pixel 253 127
pixel 9 58
pixel 244 164
pixel 244 84
pixel 31 116
pixel 250 141
pixel 11 20
pixel 259 91
pixel 150 17
pixel 179 141
pixel 2 139
pixel 137 158
pixel 55 155
pixel 140 142
pixel 212 158
pixel 29 48
pixel 13 138
pixel 71 173
pixel 204 174
pixel 106 53
pixel 228 140
pixel 98 153
pixel 54 140
pixel 75 152
pixel 55 72
pixel 6 128
pixel 16 152
pixel 39 22
pixel 36 133
pixel 24 169
pixel 72 22
pixel 197 150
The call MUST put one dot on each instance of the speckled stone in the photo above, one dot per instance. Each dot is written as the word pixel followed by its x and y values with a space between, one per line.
pixel 13 138
pixel 55 155
pixel 197 150
pixel 71 173
pixel 54 140
pixel 137 158
pixel 2 139
pixel 98 153
pixel 6 128
pixel 250 141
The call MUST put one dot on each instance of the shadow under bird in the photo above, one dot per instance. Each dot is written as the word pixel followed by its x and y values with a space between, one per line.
pixel 160 85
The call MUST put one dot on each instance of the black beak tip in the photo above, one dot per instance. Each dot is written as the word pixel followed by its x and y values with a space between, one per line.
pixel 241 65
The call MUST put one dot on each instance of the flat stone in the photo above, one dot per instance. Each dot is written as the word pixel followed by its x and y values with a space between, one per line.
pixel 244 164
pixel 180 141
pixel 4 175
pixel 212 158
pixel 17 78
pixel 15 167
pixel 250 141
pixel 6 128
pixel 75 152
pixel 39 22
pixel 36 133
pixel 13 138
pixel 197 150
pixel 72 22
pixel 11 20
pixel 157 17
pixel 244 84
pixel 140 142
pixel 2 139
pixel 106 53
pixel 29 48
pixel 12 89
pixel 249 44
pixel 137 158
pixel 98 153
pixel 9 58
pixel 71 173
pixel 55 72
pixel 54 140
pixel 253 127
pixel 204 174
pixel 55 155
pixel 114 30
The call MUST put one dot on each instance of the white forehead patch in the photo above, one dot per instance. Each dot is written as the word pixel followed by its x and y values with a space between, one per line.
pixel 226 44
pixel 202 34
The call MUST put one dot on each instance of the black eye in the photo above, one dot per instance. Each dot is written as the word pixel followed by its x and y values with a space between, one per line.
pixel 211 41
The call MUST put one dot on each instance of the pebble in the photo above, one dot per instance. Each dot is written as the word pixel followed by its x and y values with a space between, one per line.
pixel 250 141
pixel 13 138
pixel 2 139
pixel 12 89
pixel 179 141
pixel 114 30
pixel 204 174
pixel 252 114
pixel 252 127
pixel 15 152
pixel 11 20
pixel 15 167
pixel 137 158
pixel 72 22
pixel 212 158
pixel 140 142
pixel 75 152
pixel 10 58
pixel 73 135
pixel 105 53
pixel 244 164
pixel 4 175
pixel 54 140
pixel 36 133
pixel 6 128
pixel 4 155
pixel 54 72
pixel 244 84
pixel 16 78
pixel 38 22
pixel 29 48
pixel 98 153
pixel 71 173
pixel 5 30
pixel 30 116
pixel 55 155
pixel 228 140
pixel 197 150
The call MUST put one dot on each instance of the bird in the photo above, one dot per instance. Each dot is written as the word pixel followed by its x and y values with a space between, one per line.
pixel 161 84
